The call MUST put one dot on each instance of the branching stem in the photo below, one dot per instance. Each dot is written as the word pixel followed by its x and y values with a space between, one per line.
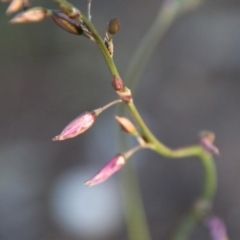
pixel 209 187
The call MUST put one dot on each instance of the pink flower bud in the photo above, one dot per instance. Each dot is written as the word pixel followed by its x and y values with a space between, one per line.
pixel 109 169
pixel 217 228
pixel 35 14
pixel 208 146
pixel 77 126
pixel 14 6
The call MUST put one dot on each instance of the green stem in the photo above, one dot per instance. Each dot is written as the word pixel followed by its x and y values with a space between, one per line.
pixel 133 206
pixel 135 217
pixel 136 221
pixel 208 192
pixel 157 145
pixel 131 106
pixel 203 204
pixel 114 72
pixel 100 43
pixel 112 67
pixel 210 181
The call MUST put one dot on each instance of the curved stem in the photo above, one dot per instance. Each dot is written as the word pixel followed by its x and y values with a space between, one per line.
pixel 206 159
pixel 203 204
pixel 210 183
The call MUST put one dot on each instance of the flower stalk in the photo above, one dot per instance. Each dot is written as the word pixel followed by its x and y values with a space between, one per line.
pixel 206 159
pixel 71 20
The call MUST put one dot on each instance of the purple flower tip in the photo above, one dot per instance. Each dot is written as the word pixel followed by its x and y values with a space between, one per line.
pixel 217 228
pixel 109 169
pixel 77 126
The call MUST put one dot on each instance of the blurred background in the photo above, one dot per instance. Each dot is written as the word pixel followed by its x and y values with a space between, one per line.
pixel 48 77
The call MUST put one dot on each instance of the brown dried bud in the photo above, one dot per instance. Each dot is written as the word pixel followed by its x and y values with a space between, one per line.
pixel 66 23
pixel 35 14
pixel 113 26
pixel 117 83
pixel 126 125
pixel 77 126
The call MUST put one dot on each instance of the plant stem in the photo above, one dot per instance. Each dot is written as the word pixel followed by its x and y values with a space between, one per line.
pixel 110 104
pixel 136 221
pixel 203 204
pixel 133 206
pixel 102 47
pixel 197 212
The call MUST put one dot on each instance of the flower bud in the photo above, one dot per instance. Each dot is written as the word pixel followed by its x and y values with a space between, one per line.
pixel 69 9
pixel 217 228
pixel 66 23
pixel 207 139
pixel 117 83
pixel 113 26
pixel 14 6
pixel 35 14
pixel 126 125
pixel 77 126
pixel 115 164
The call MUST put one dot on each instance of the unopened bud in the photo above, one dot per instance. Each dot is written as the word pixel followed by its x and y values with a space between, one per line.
pixel 117 83
pixel 68 8
pixel 207 139
pixel 14 6
pixel 66 23
pixel 113 26
pixel 77 126
pixel 126 125
pixel 35 14
pixel 217 228
pixel 114 165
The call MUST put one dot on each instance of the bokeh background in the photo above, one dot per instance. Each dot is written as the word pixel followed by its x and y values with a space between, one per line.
pixel 48 77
